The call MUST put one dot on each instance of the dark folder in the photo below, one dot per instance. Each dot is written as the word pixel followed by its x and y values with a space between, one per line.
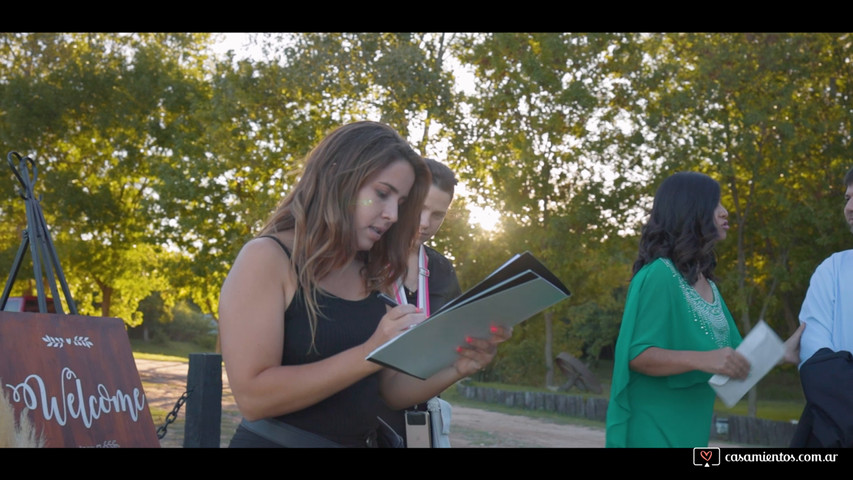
pixel 517 290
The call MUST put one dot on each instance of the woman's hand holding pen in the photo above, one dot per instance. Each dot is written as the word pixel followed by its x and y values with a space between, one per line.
pixel 396 321
pixel 393 304
pixel 473 356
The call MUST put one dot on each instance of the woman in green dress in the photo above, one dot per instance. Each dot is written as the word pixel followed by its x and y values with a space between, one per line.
pixel 676 329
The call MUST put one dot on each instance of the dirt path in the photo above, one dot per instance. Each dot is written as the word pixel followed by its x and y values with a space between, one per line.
pixel 477 428
pixel 165 382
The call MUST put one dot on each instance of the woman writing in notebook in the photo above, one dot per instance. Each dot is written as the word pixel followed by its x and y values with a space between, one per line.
pixel 298 310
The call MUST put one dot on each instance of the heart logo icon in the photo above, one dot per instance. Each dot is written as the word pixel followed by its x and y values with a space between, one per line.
pixel 706 455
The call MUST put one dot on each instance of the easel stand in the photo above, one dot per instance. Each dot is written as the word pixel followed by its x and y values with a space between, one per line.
pixel 74 376
pixel 37 238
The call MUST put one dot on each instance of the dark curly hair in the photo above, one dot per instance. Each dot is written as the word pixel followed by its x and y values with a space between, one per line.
pixel 681 226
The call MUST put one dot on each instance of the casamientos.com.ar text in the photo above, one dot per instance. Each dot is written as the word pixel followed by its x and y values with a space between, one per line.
pixel 780 457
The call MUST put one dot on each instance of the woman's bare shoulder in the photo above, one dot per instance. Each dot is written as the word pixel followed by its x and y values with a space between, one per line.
pixel 264 245
pixel 260 256
pixel 261 268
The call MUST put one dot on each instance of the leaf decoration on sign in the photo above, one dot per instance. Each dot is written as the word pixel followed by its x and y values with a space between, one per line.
pixel 59 342
pixel 55 342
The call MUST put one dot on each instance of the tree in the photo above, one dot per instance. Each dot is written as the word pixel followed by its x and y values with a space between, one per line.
pixel 263 117
pixel 530 149
pixel 99 113
pixel 768 115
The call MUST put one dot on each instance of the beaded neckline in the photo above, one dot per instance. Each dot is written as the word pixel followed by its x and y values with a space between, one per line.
pixel 708 316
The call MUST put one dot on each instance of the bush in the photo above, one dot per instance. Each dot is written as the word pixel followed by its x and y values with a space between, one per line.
pixel 184 323
pixel 518 362
pixel 190 325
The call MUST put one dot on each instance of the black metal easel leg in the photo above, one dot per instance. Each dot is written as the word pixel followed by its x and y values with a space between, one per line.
pixel 16 265
pixel 37 237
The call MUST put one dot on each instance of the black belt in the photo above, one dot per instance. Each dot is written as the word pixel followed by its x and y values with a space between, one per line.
pixel 287 435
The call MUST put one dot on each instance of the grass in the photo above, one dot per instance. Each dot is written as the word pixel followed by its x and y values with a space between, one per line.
pixel 158 415
pixel 780 396
pixel 164 351
pixel 171 351
pixel 453 396
pixel 779 410
pixel 167 351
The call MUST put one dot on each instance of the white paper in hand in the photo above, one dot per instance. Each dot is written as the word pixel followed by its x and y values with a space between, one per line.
pixel 763 348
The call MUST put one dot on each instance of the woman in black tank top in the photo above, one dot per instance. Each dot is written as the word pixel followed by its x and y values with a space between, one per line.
pixel 298 313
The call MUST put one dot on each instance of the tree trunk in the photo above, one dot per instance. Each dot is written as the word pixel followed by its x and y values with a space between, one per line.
pixel 106 294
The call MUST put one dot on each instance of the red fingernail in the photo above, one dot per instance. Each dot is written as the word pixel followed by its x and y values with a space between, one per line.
pixel 468 339
pixel 494 329
pixel 458 349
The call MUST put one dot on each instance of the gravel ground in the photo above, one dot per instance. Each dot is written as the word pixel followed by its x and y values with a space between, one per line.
pixel 165 382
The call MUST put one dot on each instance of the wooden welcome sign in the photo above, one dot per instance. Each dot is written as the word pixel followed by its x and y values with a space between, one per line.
pixel 77 379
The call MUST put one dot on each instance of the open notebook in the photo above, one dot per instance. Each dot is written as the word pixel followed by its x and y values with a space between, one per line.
pixel 517 290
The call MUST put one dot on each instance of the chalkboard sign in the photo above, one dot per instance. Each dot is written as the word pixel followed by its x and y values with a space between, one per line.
pixel 77 379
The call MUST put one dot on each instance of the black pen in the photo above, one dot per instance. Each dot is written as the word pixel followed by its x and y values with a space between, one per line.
pixel 393 303
pixel 388 300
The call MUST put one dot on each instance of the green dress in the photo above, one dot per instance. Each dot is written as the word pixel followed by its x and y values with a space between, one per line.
pixel 663 310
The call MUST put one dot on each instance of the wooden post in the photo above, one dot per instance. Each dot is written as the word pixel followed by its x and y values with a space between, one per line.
pixel 204 402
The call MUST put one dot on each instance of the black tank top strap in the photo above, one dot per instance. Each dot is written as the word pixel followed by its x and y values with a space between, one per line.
pixel 283 247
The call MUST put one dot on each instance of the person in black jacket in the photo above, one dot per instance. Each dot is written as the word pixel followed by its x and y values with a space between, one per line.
pixel 827 419
pixel 430 280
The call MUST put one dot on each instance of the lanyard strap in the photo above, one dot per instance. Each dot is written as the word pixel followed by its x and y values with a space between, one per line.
pixel 423 284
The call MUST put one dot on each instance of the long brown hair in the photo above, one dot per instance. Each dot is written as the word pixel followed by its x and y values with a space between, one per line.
pixel 319 209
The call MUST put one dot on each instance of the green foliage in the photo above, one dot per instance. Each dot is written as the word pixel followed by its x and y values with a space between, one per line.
pixel 189 324
pixel 766 115
pixel 519 361
pixel 181 323
pixel 157 161
pixel 166 351
pixel 98 122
